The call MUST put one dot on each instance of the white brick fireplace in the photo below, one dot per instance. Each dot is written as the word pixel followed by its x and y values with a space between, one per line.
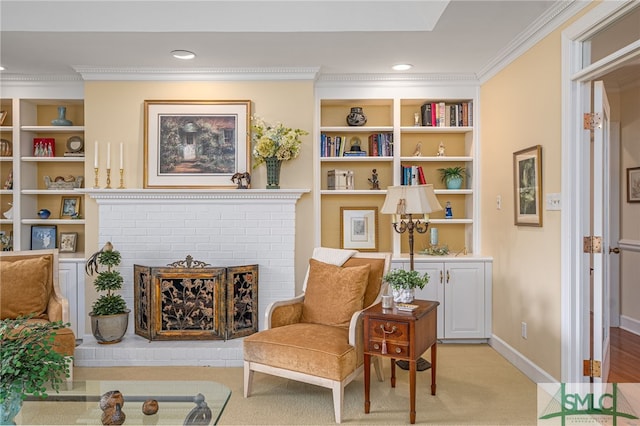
pixel 220 227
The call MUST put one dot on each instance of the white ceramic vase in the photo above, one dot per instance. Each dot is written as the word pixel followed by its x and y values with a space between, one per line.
pixel 403 295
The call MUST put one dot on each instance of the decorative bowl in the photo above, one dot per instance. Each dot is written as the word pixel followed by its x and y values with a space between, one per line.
pixel 44 214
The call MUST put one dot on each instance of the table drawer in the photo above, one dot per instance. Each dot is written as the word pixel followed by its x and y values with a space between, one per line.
pixel 394 349
pixel 396 331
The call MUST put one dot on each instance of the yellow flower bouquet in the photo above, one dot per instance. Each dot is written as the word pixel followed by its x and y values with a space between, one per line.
pixel 276 140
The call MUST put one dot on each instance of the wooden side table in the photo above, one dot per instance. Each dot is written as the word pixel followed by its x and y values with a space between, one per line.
pixel 400 335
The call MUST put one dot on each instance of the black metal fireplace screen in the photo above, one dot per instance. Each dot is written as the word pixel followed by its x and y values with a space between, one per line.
pixel 188 300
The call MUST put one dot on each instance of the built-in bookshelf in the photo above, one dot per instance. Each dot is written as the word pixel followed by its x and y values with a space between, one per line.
pixel 425 134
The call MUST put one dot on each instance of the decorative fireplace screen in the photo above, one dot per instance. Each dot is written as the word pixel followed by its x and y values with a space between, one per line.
pixel 188 300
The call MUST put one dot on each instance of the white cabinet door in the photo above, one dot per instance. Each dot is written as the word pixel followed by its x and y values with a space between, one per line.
pixel 434 290
pixel 71 281
pixel 464 295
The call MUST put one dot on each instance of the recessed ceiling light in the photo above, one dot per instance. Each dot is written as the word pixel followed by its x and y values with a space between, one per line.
pixel 402 67
pixel 183 54
pixel 1 68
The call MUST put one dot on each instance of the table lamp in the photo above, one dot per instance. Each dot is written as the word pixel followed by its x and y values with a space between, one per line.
pixel 406 201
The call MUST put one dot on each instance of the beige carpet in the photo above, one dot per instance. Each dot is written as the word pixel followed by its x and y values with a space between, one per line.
pixel 476 386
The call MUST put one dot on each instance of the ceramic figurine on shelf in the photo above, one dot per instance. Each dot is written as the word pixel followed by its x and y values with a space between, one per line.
pixel 441 150
pixel 243 180
pixel 418 151
pixel 356 117
pixel 416 119
pixel 373 180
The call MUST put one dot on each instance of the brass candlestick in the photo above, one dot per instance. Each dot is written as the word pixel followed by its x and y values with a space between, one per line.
pixel 95 185
pixel 121 179
pixel 108 179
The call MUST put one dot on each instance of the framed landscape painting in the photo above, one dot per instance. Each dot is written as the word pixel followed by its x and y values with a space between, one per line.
pixel 527 176
pixel 195 144
pixel 359 228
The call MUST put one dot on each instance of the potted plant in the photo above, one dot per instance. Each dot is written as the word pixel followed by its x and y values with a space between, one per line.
pixel 452 176
pixel 403 284
pixel 29 362
pixel 109 314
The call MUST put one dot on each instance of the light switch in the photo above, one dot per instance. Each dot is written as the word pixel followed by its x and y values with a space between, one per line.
pixel 553 201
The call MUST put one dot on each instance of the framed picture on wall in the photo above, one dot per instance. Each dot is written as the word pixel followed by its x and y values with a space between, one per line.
pixel 633 185
pixel 195 144
pixel 359 228
pixel 527 176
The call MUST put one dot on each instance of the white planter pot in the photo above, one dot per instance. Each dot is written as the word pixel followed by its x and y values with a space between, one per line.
pixel 403 295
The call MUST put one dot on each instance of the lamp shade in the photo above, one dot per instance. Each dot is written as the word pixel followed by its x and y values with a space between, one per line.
pixel 410 199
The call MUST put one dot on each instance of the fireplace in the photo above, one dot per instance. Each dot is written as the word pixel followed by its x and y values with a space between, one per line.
pixel 221 227
pixel 189 300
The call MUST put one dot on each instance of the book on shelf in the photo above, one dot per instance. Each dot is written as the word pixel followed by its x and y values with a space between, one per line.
pixel 74 154
pixel 355 153
pixel 442 114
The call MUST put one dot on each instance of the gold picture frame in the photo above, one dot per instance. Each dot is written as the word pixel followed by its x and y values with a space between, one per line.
pixel 196 144
pixel 69 206
pixel 527 180
pixel 359 228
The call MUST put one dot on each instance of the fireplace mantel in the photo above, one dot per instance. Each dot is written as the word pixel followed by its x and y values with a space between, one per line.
pixel 194 195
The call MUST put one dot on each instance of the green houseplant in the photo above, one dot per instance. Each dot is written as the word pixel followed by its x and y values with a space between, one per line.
pixel 452 176
pixel 29 362
pixel 109 313
pixel 403 284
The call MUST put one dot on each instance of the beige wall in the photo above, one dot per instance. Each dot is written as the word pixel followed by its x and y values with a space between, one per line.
pixel 114 113
pixel 630 212
pixel 520 107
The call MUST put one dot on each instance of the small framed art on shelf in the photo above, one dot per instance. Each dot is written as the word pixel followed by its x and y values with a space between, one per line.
pixel 359 228
pixel 70 207
pixel 43 237
pixel 68 242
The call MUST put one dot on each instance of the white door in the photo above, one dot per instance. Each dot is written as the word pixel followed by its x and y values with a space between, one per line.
pixel 600 227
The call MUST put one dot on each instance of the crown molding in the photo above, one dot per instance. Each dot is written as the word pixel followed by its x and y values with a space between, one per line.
pixel 452 78
pixel 547 23
pixel 90 73
pixel 39 77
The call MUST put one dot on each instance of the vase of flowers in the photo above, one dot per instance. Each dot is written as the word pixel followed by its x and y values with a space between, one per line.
pixel 273 144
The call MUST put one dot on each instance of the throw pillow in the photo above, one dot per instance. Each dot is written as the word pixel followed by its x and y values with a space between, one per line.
pixel 25 287
pixel 334 293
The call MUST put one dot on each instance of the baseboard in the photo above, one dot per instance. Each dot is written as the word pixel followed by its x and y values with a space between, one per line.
pixel 522 363
pixel 630 324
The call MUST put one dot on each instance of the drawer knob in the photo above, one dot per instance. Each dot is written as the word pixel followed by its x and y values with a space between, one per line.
pixel 376 346
pixel 398 350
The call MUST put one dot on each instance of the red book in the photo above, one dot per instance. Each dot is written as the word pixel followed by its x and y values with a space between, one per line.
pixel 421 179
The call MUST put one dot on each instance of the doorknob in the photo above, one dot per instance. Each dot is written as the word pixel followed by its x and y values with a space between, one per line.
pixel 615 250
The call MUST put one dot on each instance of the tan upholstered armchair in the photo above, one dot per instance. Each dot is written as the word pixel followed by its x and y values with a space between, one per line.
pixel 29 286
pixel 317 337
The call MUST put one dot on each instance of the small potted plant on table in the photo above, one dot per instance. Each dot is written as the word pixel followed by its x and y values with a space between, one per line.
pixel 403 284
pixel 29 363
pixel 109 314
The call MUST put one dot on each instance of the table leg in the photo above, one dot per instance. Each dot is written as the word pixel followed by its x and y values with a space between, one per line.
pixel 393 373
pixel 412 390
pixel 434 356
pixel 367 382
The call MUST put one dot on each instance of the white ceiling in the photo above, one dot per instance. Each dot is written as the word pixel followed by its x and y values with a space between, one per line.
pixel 78 37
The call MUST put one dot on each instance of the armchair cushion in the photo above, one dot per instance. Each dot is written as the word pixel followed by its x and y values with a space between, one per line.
pixel 25 287
pixel 314 349
pixel 375 277
pixel 334 293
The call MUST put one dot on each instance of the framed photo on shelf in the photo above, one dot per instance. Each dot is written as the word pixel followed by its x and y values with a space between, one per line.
pixel 527 175
pixel 3 116
pixel 68 242
pixel 359 228
pixel 633 185
pixel 69 206
pixel 195 144
pixel 43 237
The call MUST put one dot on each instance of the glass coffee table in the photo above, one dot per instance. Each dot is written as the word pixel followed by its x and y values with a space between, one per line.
pixel 179 402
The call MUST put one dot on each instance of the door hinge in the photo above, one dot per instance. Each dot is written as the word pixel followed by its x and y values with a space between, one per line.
pixel 591 368
pixel 592 120
pixel 592 244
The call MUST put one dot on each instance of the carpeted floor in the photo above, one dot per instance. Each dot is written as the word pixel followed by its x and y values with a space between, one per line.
pixel 476 386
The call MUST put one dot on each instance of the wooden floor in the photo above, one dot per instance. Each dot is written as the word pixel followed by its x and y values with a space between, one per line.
pixel 625 357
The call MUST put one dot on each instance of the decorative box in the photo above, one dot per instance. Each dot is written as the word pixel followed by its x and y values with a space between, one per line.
pixel 340 179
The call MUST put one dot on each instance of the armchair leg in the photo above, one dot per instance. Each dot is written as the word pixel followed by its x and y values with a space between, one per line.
pixel 338 400
pixel 248 378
